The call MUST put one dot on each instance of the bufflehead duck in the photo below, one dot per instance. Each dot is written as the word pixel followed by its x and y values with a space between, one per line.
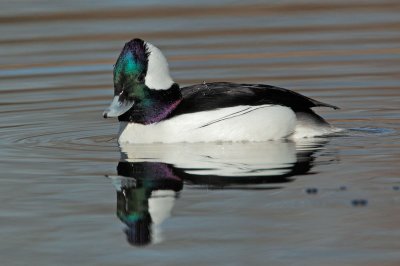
pixel 151 107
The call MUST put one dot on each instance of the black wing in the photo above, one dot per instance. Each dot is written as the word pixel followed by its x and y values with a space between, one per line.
pixel 210 96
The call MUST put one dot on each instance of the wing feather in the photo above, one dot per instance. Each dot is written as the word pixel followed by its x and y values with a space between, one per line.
pixel 211 96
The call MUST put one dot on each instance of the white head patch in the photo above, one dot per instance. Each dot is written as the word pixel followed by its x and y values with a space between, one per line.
pixel 157 76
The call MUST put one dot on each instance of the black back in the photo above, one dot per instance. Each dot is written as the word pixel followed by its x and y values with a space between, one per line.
pixel 210 96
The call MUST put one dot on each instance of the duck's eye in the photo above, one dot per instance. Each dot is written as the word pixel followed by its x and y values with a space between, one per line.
pixel 140 78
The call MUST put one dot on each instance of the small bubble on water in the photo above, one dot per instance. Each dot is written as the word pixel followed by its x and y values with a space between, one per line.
pixel 311 191
pixel 359 202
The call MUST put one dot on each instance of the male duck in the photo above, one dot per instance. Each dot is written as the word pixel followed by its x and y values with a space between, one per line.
pixel 152 108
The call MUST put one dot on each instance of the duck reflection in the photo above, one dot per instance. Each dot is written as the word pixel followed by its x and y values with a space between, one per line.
pixel 150 177
pixel 146 193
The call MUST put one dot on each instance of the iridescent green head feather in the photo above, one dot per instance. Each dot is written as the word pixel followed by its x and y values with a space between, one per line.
pixel 131 68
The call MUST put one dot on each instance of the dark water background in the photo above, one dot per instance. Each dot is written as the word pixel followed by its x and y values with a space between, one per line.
pixel 225 204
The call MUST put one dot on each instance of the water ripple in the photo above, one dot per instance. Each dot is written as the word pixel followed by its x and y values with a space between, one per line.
pixel 368 131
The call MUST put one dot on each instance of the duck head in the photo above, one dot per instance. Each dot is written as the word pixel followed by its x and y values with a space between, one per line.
pixel 140 69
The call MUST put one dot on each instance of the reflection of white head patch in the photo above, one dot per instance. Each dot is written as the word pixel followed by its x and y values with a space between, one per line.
pixel 157 76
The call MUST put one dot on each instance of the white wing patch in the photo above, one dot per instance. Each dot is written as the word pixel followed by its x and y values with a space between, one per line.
pixel 235 114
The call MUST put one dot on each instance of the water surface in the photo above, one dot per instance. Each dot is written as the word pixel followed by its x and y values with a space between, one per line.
pixel 70 195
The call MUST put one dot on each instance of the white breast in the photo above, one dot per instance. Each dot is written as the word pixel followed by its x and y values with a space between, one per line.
pixel 240 123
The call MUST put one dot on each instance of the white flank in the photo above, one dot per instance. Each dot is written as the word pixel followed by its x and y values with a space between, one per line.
pixel 240 123
pixel 157 76
pixel 307 127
